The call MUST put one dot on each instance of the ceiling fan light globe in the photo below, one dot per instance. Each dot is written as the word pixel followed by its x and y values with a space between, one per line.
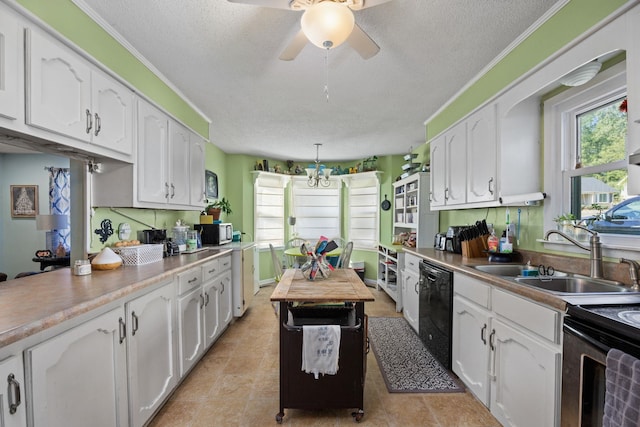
pixel 327 24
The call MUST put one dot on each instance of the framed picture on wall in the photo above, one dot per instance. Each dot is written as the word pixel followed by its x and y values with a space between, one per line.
pixel 24 201
pixel 211 184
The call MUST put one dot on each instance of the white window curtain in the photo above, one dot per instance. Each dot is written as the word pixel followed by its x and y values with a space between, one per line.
pixel 317 209
pixel 269 209
pixel 363 195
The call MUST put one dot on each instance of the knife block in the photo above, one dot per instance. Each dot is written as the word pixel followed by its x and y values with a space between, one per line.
pixel 475 248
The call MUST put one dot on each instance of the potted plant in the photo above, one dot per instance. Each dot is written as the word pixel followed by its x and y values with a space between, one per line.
pixel 565 223
pixel 219 206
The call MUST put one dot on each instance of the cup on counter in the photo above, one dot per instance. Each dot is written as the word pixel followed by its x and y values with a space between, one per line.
pixel 192 240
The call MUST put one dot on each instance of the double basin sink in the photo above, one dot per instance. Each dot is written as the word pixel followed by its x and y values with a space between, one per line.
pixel 558 283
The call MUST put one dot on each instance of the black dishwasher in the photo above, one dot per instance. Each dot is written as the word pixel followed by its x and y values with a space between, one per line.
pixel 435 311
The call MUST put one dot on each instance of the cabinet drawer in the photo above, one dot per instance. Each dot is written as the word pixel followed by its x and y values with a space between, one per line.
pixel 472 289
pixel 225 262
pixel 412 263
pixel 211 270
pixel 189 279
pixel 528 314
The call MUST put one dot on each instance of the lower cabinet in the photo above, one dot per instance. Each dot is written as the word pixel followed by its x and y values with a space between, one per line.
pixel 410 279
pixel 79 377
pixel 507 349
pixel 12 407
pixel 151 352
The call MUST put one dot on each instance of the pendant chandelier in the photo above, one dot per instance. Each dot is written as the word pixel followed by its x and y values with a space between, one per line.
pixel 318 175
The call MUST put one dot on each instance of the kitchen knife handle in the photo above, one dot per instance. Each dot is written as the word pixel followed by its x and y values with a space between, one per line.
pixel 491 185
pixel 134 323
pixel 14 394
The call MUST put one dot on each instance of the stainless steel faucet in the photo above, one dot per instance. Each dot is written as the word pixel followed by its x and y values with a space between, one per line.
pixel 634 268
pixel 594 248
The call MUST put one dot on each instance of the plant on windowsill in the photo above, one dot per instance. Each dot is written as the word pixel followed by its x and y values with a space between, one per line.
pixel 565 223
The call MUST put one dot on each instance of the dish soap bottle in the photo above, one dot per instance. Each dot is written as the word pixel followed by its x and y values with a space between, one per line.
pixel 493 242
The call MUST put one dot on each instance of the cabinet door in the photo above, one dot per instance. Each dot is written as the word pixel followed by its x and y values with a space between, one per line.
pixel 225 295
pixel 196 171
pixel 58 88
pixel 438 171
pixel 78 378
pixel 211 315
pixel 112 114
pixel 522 368
pixel 456 146
pixel 9 91
pixel 179 148
pixel 482 155
pixel 12 412
pixel 190 335
pixel 410 297
pixel 152 162
pixel 151 352
pixel 245 293
pixel 470 350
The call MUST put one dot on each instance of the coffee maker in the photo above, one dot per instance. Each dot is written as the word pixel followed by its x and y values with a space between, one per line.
pixel 453 242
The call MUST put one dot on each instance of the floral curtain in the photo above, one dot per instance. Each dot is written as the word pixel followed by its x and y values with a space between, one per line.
pixel 60 200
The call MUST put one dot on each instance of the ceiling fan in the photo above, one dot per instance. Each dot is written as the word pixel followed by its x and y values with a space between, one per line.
pixel 315 13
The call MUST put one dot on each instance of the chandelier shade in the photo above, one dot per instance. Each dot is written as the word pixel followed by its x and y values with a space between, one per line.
pixel 318 175
pixel 327 24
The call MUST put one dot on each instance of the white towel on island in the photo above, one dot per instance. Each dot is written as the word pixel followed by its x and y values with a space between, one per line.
pixel 320 349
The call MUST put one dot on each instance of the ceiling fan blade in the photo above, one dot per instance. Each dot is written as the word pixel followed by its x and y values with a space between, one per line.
pixel 296 45
pixel 362 43
pixel 275 4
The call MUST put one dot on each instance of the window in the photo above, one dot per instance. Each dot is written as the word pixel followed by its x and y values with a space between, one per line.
pixel 585 154
pixel 269 209
pixel 362 211
pixel 316 209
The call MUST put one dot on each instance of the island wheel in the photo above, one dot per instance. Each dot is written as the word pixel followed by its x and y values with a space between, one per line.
pixel 357 416
pixel 279 417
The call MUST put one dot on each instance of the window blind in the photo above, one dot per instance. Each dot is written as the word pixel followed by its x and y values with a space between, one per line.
pixel 269 210
pixel 362 211
pixel 317 209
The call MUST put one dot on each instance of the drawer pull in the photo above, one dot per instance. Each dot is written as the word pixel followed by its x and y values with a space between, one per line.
pixel 195 279
pixel 14 394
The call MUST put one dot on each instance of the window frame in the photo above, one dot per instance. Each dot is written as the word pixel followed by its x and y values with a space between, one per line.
pixel 560 131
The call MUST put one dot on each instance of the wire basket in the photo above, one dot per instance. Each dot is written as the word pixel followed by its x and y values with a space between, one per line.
pixel 140 255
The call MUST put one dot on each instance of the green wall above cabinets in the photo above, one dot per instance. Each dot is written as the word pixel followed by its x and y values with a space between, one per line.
pixel 66 18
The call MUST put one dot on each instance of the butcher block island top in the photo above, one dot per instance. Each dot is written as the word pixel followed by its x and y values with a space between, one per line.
pixel 343 285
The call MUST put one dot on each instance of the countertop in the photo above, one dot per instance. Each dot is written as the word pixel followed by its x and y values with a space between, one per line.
pixel 458 263
pixel 342 285
pixel 34 303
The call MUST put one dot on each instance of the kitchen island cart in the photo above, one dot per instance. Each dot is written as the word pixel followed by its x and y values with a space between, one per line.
pixel 337 300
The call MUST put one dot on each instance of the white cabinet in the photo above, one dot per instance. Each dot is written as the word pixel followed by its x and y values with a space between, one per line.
pixel 78 378
pixel 67 96
pixel 411 290
pixel 151 352
pixel 411 209
pixel 153 152
pixel 449 167
pixel 190 328
pixel 9 64
pixel 197 156
pixel 225 296
pixel 242 259
pixel 482 155
pixel 505 349
pixel 178 161
pixel 12 405
pixel 388 259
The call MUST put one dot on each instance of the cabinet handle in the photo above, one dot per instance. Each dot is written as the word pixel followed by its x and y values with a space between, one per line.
pixel 206 299
pixel 490 185
pixel 134 323
pixel 98 124
pixel 416 288
pixel 14 394
pixel 192 280
pixel 222 284
pixel 213 270
pixel 173 190
pixel 483 333
pixel 446 193
pixel 201 301
pixel 122 330
pixel 89 120
pixel 491 337
pixel 166 190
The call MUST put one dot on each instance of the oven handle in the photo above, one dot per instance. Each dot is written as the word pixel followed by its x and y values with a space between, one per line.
pixel 587 338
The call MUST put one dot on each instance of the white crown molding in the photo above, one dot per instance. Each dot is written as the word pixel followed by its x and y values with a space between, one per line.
pixel 120 39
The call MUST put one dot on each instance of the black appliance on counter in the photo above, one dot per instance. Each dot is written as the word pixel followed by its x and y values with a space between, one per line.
pixel 453 241
pixel 589 332
pixel 153 236
pixel 435 311
pixel 215 234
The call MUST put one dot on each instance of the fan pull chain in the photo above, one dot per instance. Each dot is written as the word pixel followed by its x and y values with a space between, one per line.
pixel 326 76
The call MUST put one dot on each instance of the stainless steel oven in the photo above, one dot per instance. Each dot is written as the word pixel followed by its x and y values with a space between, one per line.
pixel 589 332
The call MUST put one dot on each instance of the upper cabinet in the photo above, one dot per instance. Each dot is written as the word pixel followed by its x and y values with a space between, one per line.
pixel 482 155
pixel 449 167
pixel 66 95
pixel 9 65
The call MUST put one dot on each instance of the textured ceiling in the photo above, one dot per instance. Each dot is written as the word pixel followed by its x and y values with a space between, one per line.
pixel 224 58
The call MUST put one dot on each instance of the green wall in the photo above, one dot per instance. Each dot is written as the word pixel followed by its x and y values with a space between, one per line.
pixel 74 24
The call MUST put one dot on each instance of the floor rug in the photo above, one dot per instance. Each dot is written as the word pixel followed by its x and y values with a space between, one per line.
pixel 406 365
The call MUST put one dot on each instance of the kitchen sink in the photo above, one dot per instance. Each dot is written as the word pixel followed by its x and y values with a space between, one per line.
pixel 507 270
pixel 574 285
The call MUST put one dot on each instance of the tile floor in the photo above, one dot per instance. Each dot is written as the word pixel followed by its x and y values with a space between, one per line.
pixel 236 384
